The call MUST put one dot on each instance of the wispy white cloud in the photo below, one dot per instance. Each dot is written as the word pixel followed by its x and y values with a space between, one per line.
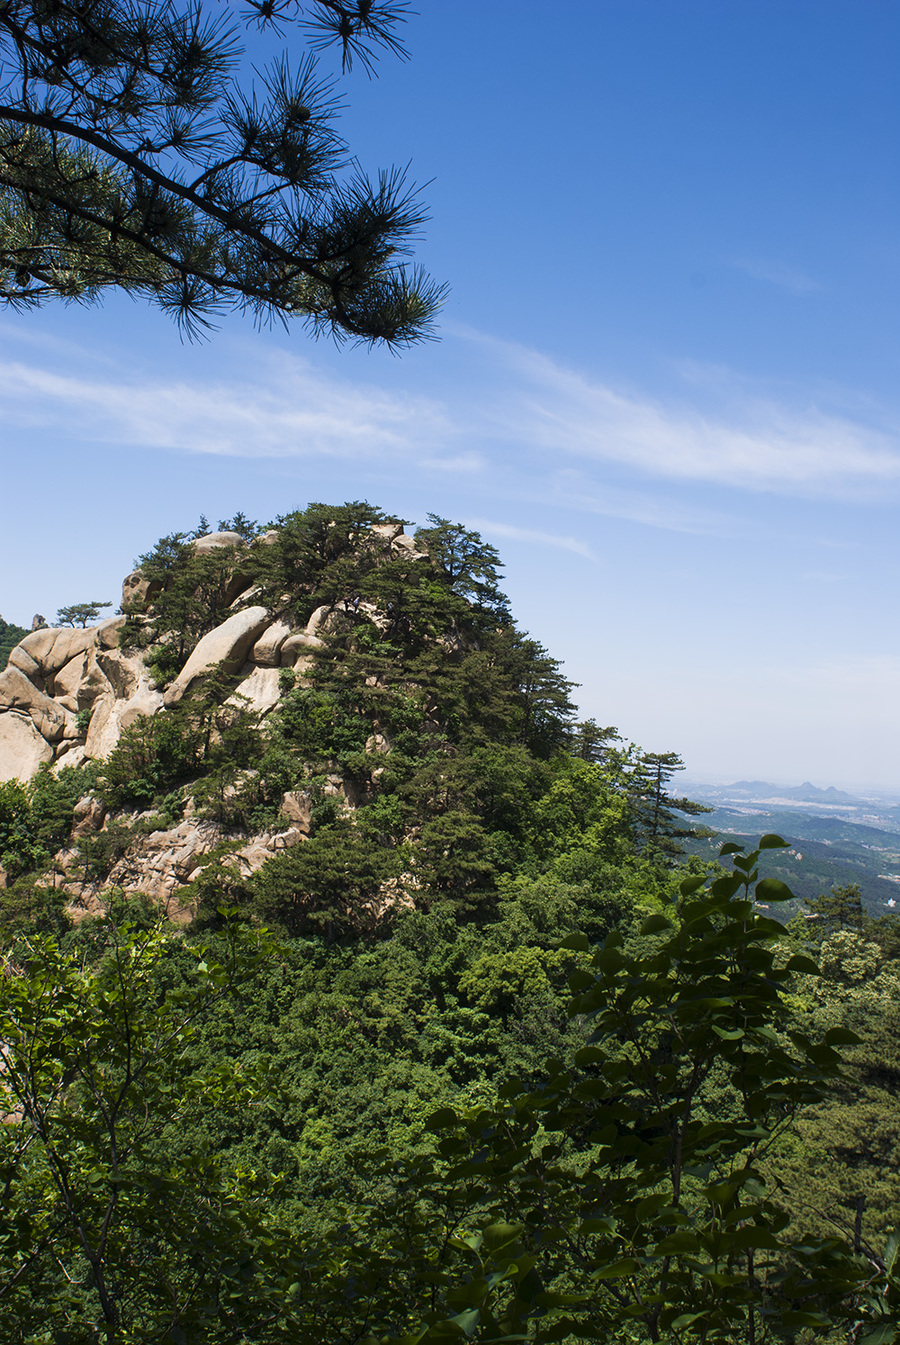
pixel 507 530
pixel 521 422
pixel 292 411
pixel 787 278
pixel 751 442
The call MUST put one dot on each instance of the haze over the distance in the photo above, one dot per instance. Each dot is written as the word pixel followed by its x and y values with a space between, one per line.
pixel 665 387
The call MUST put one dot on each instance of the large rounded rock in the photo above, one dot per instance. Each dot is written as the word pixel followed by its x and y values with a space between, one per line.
pixel 54 646
pixel 124 672
pixel 227 645
pixel 111 717
pixel 322 621
pixel 389 531
pixel 106 635
pixel 19 658
pixel 138 591
pixel 69 755
pixel 298 646
pixel 22 749
pixel 258 693
pixel 213 540
pixel 408 546
pixel 88 815
pixel 80 682
pixel 267 649
pixel 52 721
pixel 297 807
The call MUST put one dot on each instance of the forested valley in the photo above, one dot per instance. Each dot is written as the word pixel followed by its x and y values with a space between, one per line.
pixel 484 1057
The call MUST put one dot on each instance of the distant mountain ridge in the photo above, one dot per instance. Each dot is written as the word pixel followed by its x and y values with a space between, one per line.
pixel 835 837
pixel 805 793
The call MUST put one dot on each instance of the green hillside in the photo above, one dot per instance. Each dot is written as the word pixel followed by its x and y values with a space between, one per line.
pixel 824 851
pixel 438 1068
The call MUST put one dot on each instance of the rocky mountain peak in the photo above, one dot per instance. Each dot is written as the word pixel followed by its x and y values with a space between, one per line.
pixel 261 688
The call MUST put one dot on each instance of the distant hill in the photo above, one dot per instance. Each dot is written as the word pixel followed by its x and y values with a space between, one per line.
pixel 825 851
pixel 805 793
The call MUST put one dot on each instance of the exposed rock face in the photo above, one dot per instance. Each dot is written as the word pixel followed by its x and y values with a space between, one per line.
pixel 89 815
pixel 68 694
pixel 267 650
pixel 136 590
pixel 58 678
pixel 18 658
pixel 158 865
pixel 22 747
pixel 164 860
pixel 113 714
pixel 56 645
pixel 297 646
pixel 227 646
pixel 297 808
pixel 259 691
pixel 55 677
pixel 213 540
pixel 51 720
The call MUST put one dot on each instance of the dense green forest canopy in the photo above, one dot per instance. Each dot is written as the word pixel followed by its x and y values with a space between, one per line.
pixel 505 1065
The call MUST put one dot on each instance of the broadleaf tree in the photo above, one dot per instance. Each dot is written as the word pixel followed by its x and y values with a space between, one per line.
pixel 107 1231
pixel 619 1196
pixel 134 156
pixel 624 1198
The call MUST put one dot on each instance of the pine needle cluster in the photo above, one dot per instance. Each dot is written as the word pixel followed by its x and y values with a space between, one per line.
pixel 132 156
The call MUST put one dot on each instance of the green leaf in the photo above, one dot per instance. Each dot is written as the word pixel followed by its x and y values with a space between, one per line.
pixel 442 1119
pixel 726 886
pixel 687 1319
pixel 598 1224
pixel 802 964
pixel 753 1236
pixel 772 842
pixel 580 980
pixel 467 1321
pixel 882 1335
pixel 731 848
pixel 772 889
pixel 841 1036
pixel 677 1244
pixel 691 885
pixel 618 1269
pixel 500 1235
pixel 650 1205
pixel 578 943
pixel 655 924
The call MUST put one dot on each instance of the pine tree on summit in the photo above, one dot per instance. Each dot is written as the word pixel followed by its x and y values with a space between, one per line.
pixel 131 157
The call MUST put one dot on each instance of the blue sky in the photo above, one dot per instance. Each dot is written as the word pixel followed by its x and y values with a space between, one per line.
pixel 665 387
